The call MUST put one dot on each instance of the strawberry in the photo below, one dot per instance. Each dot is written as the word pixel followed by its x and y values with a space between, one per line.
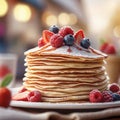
pixel 110 49
pixel 23 89
pixel 5 93
pixel 21 96
pixel 5 97
pixel 79 35
pixel 4 70
pixel 103 46
pixel 46 36
pixel 41 42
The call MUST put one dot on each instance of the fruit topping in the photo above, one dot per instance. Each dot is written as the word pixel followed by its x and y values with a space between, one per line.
pixel 21 96
pixel 95 96
pixel 41 42
pixel 54 29
pixel 79 35
pixel 85 43
pixel 114 87
pixel 5 97
pixel 107 96
pixel 69 40
pixel 34 96
pixel 56 40
pixel 46 36
pixel 65 31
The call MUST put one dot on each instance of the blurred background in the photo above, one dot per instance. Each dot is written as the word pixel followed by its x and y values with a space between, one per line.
pixel 22 21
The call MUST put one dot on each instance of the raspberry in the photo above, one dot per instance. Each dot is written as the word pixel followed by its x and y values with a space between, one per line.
pixel 114 87
pixel 107 96
pixel 66 30
pixel 95 96
pixel 56 40
pixel 41 42
pixel 34 96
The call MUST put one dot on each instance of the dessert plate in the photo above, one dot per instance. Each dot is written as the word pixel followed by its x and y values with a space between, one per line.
pixel 46 105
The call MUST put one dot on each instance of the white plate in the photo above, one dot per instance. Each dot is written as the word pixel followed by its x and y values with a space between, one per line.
pixel 45 105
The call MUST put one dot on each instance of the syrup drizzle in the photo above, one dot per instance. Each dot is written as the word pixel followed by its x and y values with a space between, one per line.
pixel 69 49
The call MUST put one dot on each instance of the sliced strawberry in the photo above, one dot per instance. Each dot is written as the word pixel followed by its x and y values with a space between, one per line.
pixel 23 89
pixel 103 46
pixel 21 96
pixel 110 49
pixel 46 35
pixel 41 42
pixel 79 35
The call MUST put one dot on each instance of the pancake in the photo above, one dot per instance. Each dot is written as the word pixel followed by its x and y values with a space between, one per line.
pixel 63 76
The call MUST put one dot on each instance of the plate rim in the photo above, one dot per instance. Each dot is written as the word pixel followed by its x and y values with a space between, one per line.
pixel 48 105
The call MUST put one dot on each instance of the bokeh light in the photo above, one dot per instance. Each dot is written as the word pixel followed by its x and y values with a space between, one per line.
pixel 22 12
pixel 73 19
pixel 51 20
pixel 63 19
pixel 3 8
pixel 116 31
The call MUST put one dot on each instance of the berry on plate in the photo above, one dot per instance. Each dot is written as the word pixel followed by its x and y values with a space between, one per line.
pixel 69 40
pixel 85 43
pixel 56 40
pixel 23 89
pixel 116 97
pixel 95 96
pixel 114 87
pixel 65 31
pixel 79 35
pixel 34 96
pixel 21 96
pixel 46 36
pixel 107 96
pixel 54 29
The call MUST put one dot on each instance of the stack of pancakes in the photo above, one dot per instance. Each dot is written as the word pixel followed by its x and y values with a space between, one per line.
pixel 63 76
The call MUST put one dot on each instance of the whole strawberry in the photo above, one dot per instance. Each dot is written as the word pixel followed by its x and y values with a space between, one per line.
pixel 5 93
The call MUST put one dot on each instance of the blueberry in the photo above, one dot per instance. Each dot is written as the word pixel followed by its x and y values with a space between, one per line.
pixel 69 40
pixel 85 43
pixel 116 97
pixel 54 29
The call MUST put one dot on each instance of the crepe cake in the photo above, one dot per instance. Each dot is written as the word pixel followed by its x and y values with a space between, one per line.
pixel 66 72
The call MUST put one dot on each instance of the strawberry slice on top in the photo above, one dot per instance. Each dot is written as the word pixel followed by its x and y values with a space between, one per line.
pixel 46 35
pixel 79 35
